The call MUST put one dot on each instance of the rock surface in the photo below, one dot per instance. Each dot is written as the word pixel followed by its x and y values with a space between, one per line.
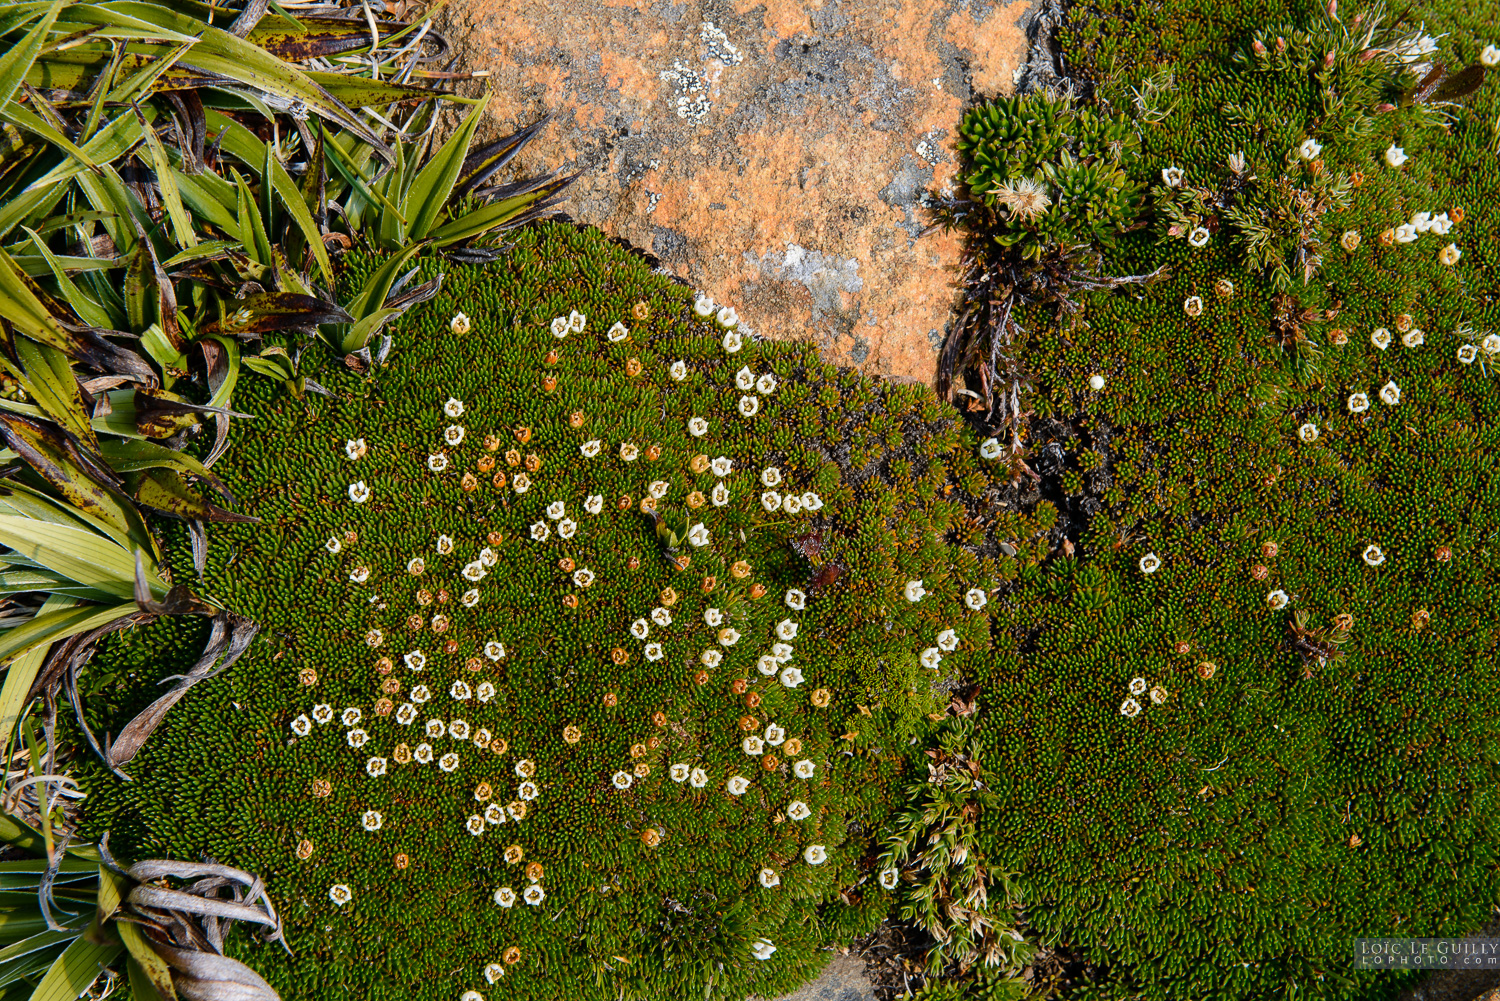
pixel 843 979
pixel 771 152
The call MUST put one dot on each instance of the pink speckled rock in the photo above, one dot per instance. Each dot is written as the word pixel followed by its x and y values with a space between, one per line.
pixel 772 153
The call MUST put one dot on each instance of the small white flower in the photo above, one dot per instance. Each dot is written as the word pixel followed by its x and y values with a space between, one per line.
pixel 576 321
pixel 749 406
pixel 1192 305
pixel 583 577
pixel 493 972
pixel 556 510
pixel 406 714
pixel 458 728
pixel 422 754
pixel 888 878
pixel 737 785
pixel 804 769
pixel 768 878
pixel 798 810
pixel 302 726
pixel 1130 707
pixel 796 599
pixel 333 545
pixel 1490 56
pixel 475 572
pixel 678 772
pixel 1308 433
pixel 415 660
pixel 459 324
pixel 437 461
pixel 654 651
pixel 720 495
pixel 419 694
pixel 661 616
pixel 1172 177
pixel 1395 156
pixel 703 305
pixel 372 820
pixel 355 449
pixel 811 501
pixel 815 854
pixel 791 677
pixel 1150 563
pixel 931 658
pixel 731 342
pixel 753 745
pixel 1277 600
pixel 640 629
pixel 775 735
pixel 1096 382
pixel 1491 344
pixel 1309 150
pixel 357 738
pixel 520 483
pixel 728 636
pixel 494 650
pixel 1449 255
pixel 786 629
pixel 914 590
pixel 461 691
pixel 678 371
pixel 1373 556
pixel 770 476
pixel 1413 338
pixel 697 427
pixel 1441 224
pixel 1421 221
pixel 594 504
pixel 947 640
pixel 698 779
pixel 762 949
pixel 766 384
pixel 444 545
pixel 359 575
pixel 340 894
pixel 359 492
pixel 1358 403
pixel 375 767
pixel 721 466
pixel 453 408
pixel 989 448
pixel 617 333
pixel 698 535
pixel 1158 694
pixel 505 897
pixel 454 434
pixel 567 528
pixel 540 531
pixel 745 379
pixel 1390 394
pixel 527 791
pixel 448 762
pixel 1467 354
pixel 534 894
pixel 1198 237
pixel 975 598
pixel 727 317
pixel 1406 233
pixel 1137 686
pixel 766 664
pixel 560 327
pixel 791 504
pixel 628 451
pixel 350 716
pixel 710 658
pixel 1381 338
pixel 591 448
pixel 488 557
pixel 622 780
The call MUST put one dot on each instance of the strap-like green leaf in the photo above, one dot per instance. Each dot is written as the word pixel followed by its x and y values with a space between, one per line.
pixel 86 557
pixel 56 626
pixel 434 183
pixel 86 308
pixel 15 63
pixel 78 967
pixel 50 381
pixel 22 672
pixel 291 197
pixel 24 310
pixel 166 183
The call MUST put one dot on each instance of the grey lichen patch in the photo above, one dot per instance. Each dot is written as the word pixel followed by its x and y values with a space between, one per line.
pixel 908 183
pixel 823 276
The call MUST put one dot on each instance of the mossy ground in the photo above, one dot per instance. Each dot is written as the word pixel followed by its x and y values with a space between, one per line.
pixel 1233 841
pixel 230 774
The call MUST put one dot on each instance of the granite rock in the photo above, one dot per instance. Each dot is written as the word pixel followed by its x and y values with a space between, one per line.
pixel 772 153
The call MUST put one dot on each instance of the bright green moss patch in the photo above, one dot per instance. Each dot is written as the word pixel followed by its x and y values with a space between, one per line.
pixel 489 710
pixel 1257 434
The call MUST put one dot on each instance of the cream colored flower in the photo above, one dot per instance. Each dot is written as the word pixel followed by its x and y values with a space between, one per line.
pixel 914 590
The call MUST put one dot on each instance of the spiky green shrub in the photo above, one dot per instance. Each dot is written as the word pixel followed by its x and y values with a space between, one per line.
pixel 1049 175
pixel 487 664
pixel 1231 839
